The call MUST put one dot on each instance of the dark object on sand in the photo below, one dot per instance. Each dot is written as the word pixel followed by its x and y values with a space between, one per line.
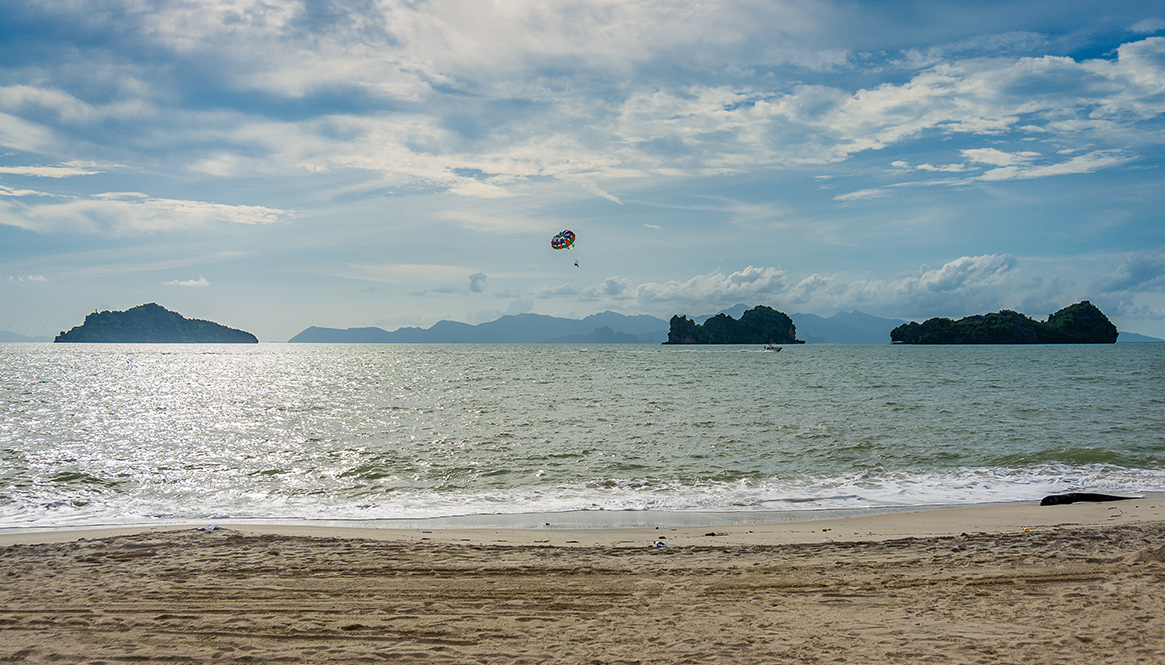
pixel 1057 499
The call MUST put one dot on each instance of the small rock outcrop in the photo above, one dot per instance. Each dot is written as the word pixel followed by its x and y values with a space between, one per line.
pixel 759 325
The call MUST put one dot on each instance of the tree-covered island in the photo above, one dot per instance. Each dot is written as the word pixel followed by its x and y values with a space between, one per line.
pixel 1082 323
pixel 759 325
pixel 152 324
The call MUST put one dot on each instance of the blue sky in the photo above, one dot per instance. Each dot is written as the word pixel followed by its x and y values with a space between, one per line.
pixel 274 165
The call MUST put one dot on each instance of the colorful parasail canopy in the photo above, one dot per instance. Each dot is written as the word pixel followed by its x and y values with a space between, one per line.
pixel 563 240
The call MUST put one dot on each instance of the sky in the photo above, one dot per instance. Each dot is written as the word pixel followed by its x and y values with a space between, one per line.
pixel 273 165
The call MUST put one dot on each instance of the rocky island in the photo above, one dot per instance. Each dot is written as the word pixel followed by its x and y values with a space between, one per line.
pixel 1082 323
pixel 152 324
pixel 759 325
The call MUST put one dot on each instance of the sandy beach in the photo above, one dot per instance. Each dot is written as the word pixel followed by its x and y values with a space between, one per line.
pixel 1079 583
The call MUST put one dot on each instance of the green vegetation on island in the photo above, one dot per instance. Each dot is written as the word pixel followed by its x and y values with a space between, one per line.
pixel 759 325
pixel 1081 323
pixel 152 324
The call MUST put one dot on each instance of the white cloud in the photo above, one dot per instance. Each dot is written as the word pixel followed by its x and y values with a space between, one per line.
pixel 436 58
pixel 478 189
pixel 538 90
pixel 134 212
pixel 65 107
pixel 39 120
pixel 969 284
pixel 8 191
pixel 861 195
pixel 19 134
pixel 720 129
pixel 613 286
pixel 1022 165
pixel 984 97
pixel 963 272
pixel 943 168
pixel 965 285
pixel 1140 271
pixel 50 171
pixel 742 285
pixel 1088 163
pixel 404 50
pixel 646 129
pixel 1149 25
pixel 591 187
pixel 201 281
pixel 994 157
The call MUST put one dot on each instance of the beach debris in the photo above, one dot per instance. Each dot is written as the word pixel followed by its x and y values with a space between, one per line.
pixel 1073 497
pixel 211 527
pixel 659 543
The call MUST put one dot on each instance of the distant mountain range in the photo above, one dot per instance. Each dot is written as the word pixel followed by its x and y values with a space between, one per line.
pixel 1134 337
pixel 6 336
pixel 844 328
pixel 605 328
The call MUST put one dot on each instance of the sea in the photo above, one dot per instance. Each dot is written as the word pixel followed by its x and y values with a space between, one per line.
pixel 608 435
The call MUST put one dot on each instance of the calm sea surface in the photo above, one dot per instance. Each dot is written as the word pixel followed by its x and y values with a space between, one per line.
pixel 115 434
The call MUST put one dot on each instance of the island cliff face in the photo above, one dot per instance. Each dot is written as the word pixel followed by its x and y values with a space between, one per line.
pixel 1081 323
pixel 152 324
pixel 759 325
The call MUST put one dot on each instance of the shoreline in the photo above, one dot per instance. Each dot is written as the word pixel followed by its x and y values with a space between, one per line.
pixel 645 528
pixel 1038 585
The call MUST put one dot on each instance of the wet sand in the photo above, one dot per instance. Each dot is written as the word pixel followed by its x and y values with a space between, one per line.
pixel 1081 583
